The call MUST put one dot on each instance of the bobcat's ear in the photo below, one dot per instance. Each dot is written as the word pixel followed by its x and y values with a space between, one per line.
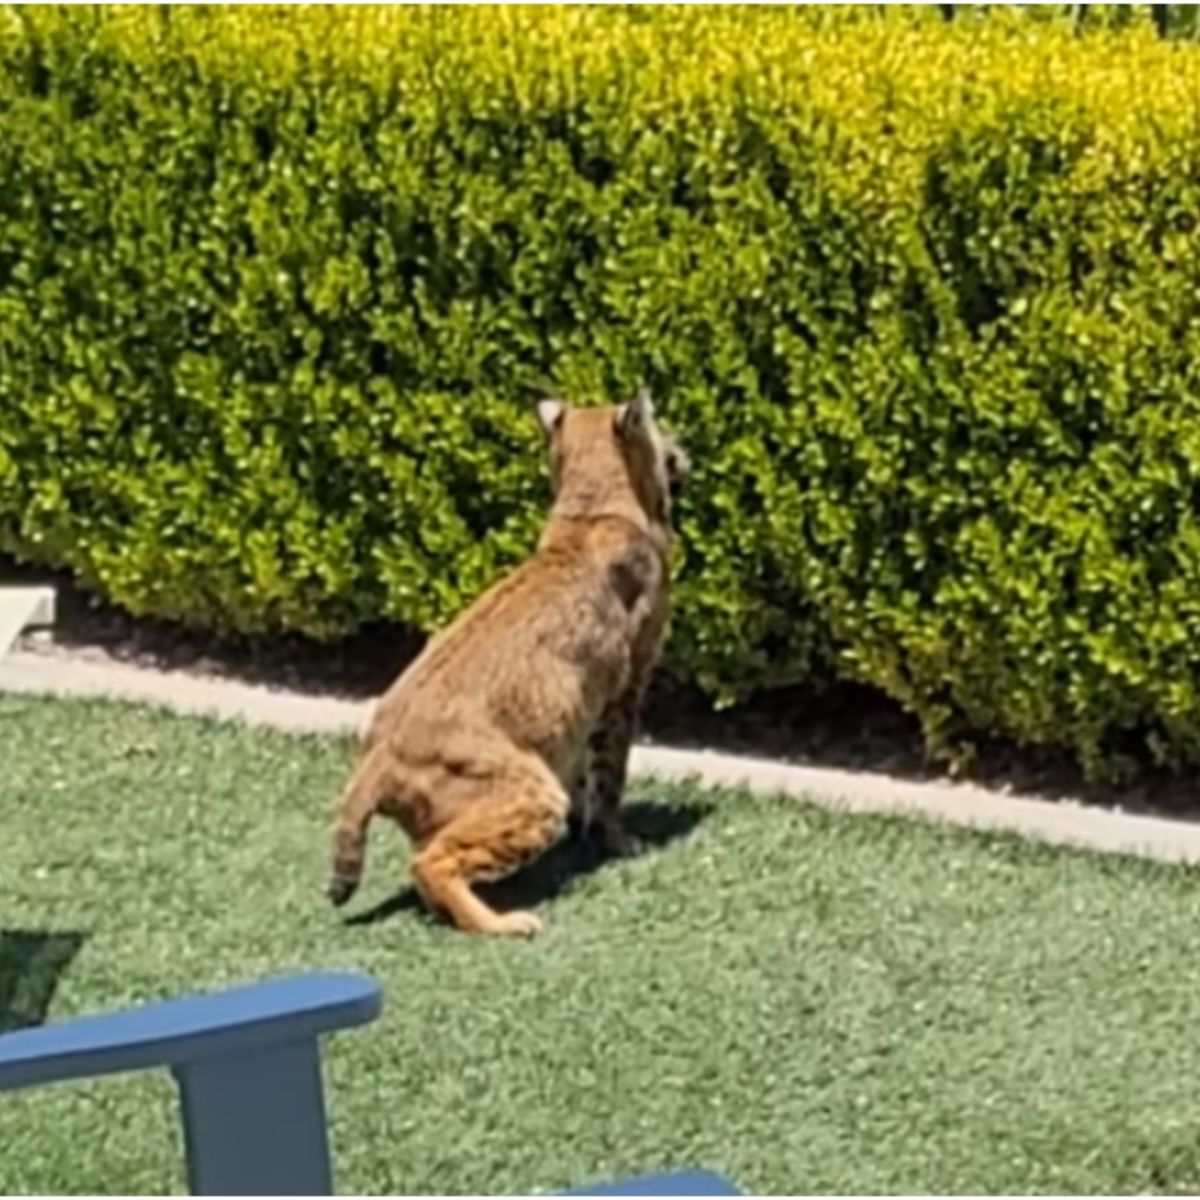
pixel 550 413
pixel 638 414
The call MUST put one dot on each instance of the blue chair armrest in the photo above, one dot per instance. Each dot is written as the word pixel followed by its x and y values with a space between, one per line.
pixel 675 1183
pixel 175 1032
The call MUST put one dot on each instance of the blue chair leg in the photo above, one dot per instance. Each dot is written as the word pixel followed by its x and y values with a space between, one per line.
pixel 254 1123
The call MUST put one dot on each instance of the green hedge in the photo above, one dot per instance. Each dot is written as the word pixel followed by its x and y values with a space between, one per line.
pixel 276 287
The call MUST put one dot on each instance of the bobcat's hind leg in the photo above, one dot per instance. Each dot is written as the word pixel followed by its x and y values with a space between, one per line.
pixel 522 815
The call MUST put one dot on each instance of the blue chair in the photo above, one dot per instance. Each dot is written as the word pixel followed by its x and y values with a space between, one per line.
pixel 248 1065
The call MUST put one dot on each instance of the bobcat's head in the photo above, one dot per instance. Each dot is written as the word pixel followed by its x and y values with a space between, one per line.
pixel 599 454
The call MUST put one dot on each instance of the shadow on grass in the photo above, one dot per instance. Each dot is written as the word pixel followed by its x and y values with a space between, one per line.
pixel 653 823
pixel 31 964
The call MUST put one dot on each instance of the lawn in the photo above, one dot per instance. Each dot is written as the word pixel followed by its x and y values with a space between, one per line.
pixel 808 1002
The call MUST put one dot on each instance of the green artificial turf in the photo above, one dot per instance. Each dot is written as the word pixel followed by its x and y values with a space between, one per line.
pixel 807 1002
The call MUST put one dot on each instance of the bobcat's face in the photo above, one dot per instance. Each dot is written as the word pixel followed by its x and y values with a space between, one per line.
pixel 588 443
pixel 677 464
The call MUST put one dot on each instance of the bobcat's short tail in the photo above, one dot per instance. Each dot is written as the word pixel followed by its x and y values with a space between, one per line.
pixel 355 808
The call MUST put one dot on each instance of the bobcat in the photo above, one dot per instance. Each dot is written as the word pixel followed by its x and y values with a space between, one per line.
pixel 519 716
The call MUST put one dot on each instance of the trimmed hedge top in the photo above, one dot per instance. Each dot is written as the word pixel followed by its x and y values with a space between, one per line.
pixel 276 286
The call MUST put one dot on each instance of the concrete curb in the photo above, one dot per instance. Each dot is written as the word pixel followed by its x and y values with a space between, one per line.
pixel 1058 823
pixel 1063 823
pixel 180 691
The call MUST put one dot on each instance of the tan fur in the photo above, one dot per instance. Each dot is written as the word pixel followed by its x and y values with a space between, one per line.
pixel 523 709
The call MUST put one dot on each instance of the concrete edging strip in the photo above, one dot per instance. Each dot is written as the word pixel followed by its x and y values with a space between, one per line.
pixel 1059 822
pixel 1056 822
pixel 180 691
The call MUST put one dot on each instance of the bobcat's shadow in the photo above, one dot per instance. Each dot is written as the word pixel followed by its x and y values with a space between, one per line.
pixel 653 823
